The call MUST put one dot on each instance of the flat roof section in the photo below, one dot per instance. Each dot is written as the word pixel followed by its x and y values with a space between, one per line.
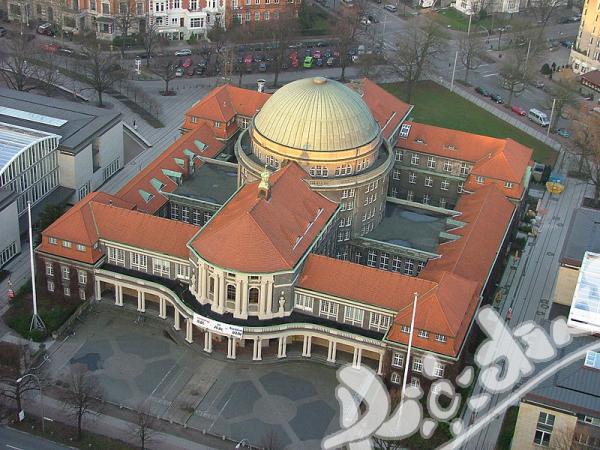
pixel 211 182
pixel 410 227
pixel 15 140
pixel 583 235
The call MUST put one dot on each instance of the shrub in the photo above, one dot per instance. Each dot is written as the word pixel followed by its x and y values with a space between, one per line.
pixel 546 70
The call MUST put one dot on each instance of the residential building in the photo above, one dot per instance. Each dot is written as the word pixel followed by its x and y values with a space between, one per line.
pixel 90 140
pixel 585 54
pixel 180 19
pixel 254 13
pixel 10 236
pixel 260 247
pixel 469 7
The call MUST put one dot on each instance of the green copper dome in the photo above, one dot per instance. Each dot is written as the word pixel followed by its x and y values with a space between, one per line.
pixel 316 114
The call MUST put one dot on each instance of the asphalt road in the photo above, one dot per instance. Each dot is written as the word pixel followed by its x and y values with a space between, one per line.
pixel 17 440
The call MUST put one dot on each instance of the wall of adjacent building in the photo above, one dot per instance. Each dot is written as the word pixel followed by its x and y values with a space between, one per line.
pixel 10 243
pixel 565 285
pixel 585 55
pixel 527 424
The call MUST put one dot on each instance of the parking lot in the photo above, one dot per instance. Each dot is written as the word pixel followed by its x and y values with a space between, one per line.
pixel 290 403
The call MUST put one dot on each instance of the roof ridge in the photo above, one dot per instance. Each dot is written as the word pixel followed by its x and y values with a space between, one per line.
pixel 273 246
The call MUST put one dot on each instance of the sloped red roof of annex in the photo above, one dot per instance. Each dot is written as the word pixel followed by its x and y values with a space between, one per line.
pixel 166 161
pixel 345 279
pixel 224 102
pixel 255 235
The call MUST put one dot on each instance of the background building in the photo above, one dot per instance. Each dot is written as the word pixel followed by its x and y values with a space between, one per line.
pixel 179 19
pixel 585 54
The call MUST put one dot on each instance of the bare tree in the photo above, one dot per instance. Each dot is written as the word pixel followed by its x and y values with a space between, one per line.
pixel 218 37
pixel 48 73
pixel 515 71
pixel 586 136
pixel 101 70
pixel 281 32
pixel 124 21
pixel 82 394
pixel 150 39
pixel 543 11
pixel 415 53
pixel 142 430
pixel 18 71
pixel 563 95
pixel 166 70
pixel 470 53
pixel 346 30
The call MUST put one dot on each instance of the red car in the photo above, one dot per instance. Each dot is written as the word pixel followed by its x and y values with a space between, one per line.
pixel 518 110
pixel 187 62
pixel 248 59
pixel 49 48
pixel 295 63
pixel 294 55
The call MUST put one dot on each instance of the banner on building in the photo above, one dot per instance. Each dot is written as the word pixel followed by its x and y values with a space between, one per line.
pixel 218 327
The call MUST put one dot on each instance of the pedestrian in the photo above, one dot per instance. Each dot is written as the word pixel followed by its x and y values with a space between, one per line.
pixel 134 125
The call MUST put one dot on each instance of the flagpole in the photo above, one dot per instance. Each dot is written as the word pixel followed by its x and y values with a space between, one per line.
pixel 36 321
pixel 410 338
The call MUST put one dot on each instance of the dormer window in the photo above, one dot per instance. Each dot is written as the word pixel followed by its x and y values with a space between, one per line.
pixel 194 119
pixel 217 124
pixel 508 185
pixel 480 179
pixel 52 240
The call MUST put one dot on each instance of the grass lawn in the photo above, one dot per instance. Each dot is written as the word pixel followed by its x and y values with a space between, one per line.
pixel 54 313
pixel 436 105
pixel 459 21
pixel 508 428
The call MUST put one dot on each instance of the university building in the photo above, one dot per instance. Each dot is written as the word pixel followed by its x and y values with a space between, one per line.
pixel 268 230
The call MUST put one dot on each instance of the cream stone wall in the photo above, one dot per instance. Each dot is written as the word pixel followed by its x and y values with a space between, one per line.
pixel 525 428
pixel 565 285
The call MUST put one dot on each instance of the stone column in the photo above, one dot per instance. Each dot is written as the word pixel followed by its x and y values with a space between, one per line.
pixel 262 298
pixel 222 291
pixel 380 365
pixel 281 350
pixel 256 351
pixel 356 358
pixel 118 295
pixel 162 307
pixel 189 333
pixel 143 302
pixel 331 351
pixel 269 303
pixel 139 307
pixel 98 290
pixel 238 298
pixel 306 347
pixel 231 348
pixel 208 341
pixel 177 325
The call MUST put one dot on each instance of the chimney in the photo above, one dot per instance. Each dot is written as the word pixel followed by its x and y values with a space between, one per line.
pixel 261 85
pixel 264 187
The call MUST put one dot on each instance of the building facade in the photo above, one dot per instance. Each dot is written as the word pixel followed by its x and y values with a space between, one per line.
pixel 585 54
pixel 271 268
pixel 180 19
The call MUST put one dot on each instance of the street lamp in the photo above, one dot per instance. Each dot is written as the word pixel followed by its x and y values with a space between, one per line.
pixel 19 380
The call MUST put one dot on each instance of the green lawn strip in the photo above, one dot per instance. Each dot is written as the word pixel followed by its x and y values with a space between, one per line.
pixel 508 428
pixel 65 434
pixel 436 105
pixel 459 21
pixel 54 312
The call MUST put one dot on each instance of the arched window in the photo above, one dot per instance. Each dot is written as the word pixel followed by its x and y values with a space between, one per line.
pixel 230 292
pixel 253 296
pixel 211 287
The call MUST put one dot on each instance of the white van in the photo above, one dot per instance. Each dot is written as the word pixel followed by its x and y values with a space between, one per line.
pixel 539 117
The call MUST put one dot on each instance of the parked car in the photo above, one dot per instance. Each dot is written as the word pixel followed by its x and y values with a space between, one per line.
pixel 295 45
pixel 538 84
pixel 322 44
pixel 179 72
pixel 327 53
pixel 187 62
pixel 66 51
pixel 307 52
pixel 199 70
pixel 563 132
pixel 319 62
pixel 295 63
pixel 317 54
pixel 482 91
pixel 183 52
pixel 262 67
pixel 330 62
pixel 2 31
pixel 373 19
pixel 248 59
pixel 46 29
pixel 496 98
pixel 518 110
pixel 190 72
pixel 391 8
pixel 248 67
pixel 308 62
pixel 566 43
pixel 365 21
pixel 49 48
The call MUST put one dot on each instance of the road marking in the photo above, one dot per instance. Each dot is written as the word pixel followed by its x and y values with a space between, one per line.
pixel 489 75
pixel 12 446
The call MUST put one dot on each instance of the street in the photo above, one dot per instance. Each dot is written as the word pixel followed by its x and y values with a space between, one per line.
pixel 18 440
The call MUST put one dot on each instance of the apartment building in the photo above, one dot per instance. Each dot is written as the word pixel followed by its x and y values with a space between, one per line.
pixel 585 54
pixel 180 19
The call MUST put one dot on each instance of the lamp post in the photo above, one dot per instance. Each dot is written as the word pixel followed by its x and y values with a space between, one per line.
pixel 19 380
pixel 410 338
pixel 36 321
pixel 551 117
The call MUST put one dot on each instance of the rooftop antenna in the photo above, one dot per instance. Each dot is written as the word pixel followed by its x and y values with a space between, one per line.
pixel 36 321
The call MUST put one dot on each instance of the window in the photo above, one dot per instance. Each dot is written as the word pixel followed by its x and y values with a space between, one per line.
pixel 420 266
pixel 396 263
pixel 217 124
pixel 396 174
pixel 384 261
pixel 431 162
pixel 438 370
pixel 459 188
pixel 139 261
pixel 405 329
pixel 82 274
pixel 423 334
pixel 175 211
pixel 428 181
pixel 161 267
pixel 304 302
pixel 398 359
pixel 409 267
pixel 379 322
pixel 52 241
pixel 318 171
pixel 353 315
pixel 464 169
pixel 182 271
pixel 66 273
pixel 106 8
pixel 441 338
pixel 67 291
pixel 417 365
pixel 480 179
pixel 81 247
pixel 543 430
pixel 343 170
pixel 412 178
pixel 426 199
pixel 185 214
pixel 231 292
pixel 328 309
pixel 372 259
pixel 66 244
pixel 508 185
pixel 82 294
pixel 399 154
pixel 50 286
pixel 410 195
pixel 447 166
pixel 257 16
pixel 49 269
pixel 414 382
pixel 116 256
pixel 395 378
pixel 414 159
pixel 444 185
pixel 443 202
pixel 346 193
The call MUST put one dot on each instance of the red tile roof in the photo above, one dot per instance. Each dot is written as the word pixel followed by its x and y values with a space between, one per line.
pixel 95 217
pixel 142 182
pixel 345 279
pixel 387 109
pixel 254 235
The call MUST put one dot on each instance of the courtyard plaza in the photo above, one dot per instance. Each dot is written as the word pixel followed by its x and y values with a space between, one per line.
pixel 135 361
